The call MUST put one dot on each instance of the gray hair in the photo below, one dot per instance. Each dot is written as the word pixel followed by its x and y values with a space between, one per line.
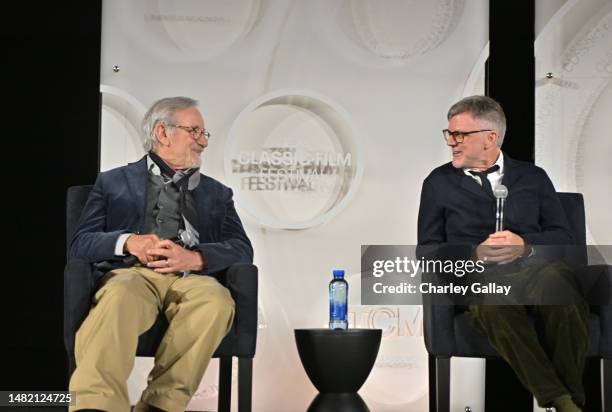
pixel 482 108
pixel 162 111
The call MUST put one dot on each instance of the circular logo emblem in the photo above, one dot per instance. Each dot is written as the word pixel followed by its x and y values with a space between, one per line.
pixel 292 159
pixel 185 30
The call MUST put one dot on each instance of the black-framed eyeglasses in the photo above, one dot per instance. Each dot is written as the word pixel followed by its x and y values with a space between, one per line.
pixel 459 136
pixel 195 132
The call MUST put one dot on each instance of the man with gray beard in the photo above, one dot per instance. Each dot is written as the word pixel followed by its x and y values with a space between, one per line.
pixel 154 231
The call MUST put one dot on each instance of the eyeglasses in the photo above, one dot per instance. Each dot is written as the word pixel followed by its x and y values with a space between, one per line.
pixel 195 132
pixel 460 136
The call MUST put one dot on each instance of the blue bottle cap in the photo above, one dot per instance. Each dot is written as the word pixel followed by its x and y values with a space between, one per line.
pixel 338 273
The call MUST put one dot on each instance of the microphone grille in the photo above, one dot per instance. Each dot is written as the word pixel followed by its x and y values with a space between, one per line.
pixel 500 192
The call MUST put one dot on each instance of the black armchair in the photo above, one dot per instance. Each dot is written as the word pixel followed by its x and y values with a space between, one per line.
pixel 448 330
pixel 240 279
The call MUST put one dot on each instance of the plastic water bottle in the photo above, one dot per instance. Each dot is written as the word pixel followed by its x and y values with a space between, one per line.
pixel 338 294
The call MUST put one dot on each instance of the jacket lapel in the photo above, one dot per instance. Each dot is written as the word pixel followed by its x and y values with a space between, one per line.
pixel 468 183
pixel 201 197
pixel 136 176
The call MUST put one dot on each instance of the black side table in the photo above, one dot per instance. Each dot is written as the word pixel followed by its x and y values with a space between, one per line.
pixel 338 362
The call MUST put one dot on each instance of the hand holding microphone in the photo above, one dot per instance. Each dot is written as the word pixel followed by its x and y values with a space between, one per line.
pixel 503 246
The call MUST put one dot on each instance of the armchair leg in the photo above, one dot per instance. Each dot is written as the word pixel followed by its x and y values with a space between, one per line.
pixel 431 368
pixel 225 384
pixel 443 366
pixel 245 384
pixel 607 384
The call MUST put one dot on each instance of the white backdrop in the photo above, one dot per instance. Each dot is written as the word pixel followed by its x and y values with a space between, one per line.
pixel 378 77
pixel 573 127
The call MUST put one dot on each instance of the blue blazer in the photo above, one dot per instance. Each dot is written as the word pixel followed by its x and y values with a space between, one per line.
pixel 455 210
pixel 117 205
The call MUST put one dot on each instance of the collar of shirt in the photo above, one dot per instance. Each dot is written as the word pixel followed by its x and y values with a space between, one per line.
pixel 495 177
pixel 153 168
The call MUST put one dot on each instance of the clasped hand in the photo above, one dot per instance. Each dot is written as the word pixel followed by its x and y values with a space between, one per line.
pixel 163 256
pixel 501 247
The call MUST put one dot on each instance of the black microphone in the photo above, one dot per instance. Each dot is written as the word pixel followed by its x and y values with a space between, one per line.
pixel 500 193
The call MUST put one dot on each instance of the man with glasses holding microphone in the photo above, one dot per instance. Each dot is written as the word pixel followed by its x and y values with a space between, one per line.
pixel 153 229
pixel 458 208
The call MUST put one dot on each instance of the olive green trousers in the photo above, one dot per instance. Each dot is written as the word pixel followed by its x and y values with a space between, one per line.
pixel 546 345
pixel 200 312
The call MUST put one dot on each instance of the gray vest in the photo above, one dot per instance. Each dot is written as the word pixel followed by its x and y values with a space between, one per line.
pixel 162 215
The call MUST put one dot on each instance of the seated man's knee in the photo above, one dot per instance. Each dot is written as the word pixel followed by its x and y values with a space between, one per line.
pixel 549 277
pixel 207 296
pixel 221 301
pixel 554 286
pixel 493 312
pixel 217 299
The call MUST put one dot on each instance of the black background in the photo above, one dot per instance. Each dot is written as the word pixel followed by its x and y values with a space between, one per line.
pixel 50 141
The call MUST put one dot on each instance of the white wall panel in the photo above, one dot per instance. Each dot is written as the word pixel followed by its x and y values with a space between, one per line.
pixel 393 67
pixel 573 107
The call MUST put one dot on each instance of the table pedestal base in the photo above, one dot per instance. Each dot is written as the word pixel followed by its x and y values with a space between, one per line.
pixel 338 402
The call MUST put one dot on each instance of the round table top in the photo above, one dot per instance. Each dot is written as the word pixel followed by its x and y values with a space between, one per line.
pixel 330 332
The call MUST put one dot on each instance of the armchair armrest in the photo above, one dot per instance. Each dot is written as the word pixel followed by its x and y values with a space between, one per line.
pixel 438 319
pixel 439 328
pixel 241 280
pixel 596 284
pixel 78 289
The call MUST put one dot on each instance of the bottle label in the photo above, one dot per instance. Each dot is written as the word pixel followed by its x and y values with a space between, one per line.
pixel 337 310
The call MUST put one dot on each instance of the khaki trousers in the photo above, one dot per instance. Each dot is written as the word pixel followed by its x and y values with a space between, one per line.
pixel 200 312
